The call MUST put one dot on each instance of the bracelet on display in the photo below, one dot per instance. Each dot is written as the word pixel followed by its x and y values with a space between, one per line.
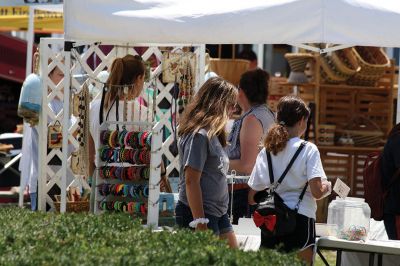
pixel 197 221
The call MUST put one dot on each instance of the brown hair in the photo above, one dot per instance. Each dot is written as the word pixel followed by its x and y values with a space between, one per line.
pixel 209 109
pixel 290 110
pixel 254 84
pixel 124 71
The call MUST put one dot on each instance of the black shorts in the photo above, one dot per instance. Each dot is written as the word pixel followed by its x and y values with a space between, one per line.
pixel 302 238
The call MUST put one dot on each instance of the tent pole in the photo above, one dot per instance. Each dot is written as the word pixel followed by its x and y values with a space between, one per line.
pixel 260 55
pixel 31 34
pixel 398 96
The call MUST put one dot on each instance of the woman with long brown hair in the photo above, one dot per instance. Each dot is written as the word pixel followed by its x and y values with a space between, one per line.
pixel 119 99
pixel 304 181
pixel 203 193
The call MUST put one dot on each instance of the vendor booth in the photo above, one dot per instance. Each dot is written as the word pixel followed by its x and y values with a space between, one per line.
pixel 158 31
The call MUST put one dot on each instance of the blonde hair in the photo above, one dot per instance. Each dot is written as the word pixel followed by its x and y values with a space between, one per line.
pixel 290 110
pixel 209 109
pixel 124 71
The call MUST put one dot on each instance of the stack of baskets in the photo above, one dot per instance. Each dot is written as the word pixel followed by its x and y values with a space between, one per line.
pixel 339 66
pixel 81 205
pixel 297 62
pixel 359 65
pixel 74 206
pixel 373 61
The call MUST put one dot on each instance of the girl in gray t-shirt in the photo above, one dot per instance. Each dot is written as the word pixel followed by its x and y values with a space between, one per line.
pixel 203 191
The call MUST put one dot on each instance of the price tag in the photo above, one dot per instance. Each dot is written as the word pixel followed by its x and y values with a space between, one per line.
pixel 341 188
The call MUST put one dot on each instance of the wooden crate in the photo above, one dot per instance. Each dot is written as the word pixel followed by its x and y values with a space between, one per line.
pixel 337 165
pixel 374 105
pixel 307 93
pixel 346 163
pixel 277 89
pixel 338 104
pixel 357 185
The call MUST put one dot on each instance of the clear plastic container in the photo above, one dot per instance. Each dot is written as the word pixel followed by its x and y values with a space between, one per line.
pixel 352 216
pixel 30 100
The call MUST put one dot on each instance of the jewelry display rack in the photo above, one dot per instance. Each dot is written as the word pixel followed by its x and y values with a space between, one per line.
pixel 153 182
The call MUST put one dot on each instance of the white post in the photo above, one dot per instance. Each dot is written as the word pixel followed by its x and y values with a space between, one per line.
pixel 31 34
pixel 202 63
pixel 154 180
pixel 398 97
pixel 260 56
pixel 65 131
pixel 268 58
pixel 42 128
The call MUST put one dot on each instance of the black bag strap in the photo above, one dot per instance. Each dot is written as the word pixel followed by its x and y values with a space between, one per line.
pixel 301 197
pixel 271 172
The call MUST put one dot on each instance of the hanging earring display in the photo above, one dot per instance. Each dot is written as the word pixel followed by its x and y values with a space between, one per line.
pixel 55 135
pixel 80 158
pixel 176 64
pixel 186 88
pixel 75 105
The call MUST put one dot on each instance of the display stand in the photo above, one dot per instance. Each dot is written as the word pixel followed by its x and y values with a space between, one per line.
pixel 82 66
pixel 126 179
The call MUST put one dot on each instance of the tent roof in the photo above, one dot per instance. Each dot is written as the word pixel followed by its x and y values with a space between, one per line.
pixel 352 22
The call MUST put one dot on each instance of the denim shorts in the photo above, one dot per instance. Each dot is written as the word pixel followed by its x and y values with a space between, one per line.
pixel 219 225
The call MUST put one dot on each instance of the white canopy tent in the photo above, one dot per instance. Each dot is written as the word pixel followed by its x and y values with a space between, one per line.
pixel 351 22
pixel 295 22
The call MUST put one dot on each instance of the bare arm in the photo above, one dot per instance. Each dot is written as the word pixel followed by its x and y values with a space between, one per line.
pixel 250 135
pixel 318 189
pixel 194 195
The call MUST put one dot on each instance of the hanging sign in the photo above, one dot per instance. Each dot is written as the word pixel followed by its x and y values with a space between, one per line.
pixel 55 135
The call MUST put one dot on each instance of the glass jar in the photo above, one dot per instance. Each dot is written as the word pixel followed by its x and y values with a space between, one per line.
pixel 352 216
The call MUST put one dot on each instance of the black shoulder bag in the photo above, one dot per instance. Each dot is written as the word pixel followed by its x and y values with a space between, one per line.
pixel 272 215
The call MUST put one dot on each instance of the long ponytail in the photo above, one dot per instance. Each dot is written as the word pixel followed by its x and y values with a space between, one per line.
pixel 291 110
pixel 124 71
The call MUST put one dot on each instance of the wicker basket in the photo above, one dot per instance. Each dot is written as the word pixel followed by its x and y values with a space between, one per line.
pixel 339 66
pixel 74 206
pixel 297 62
pixel 373 62
pixel 362 131
pixel 229 69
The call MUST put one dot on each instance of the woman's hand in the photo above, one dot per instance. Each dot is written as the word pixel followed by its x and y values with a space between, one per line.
pixel 319 189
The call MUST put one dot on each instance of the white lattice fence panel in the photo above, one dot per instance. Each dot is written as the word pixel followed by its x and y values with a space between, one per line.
pixel 87 62
pixel 51 56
